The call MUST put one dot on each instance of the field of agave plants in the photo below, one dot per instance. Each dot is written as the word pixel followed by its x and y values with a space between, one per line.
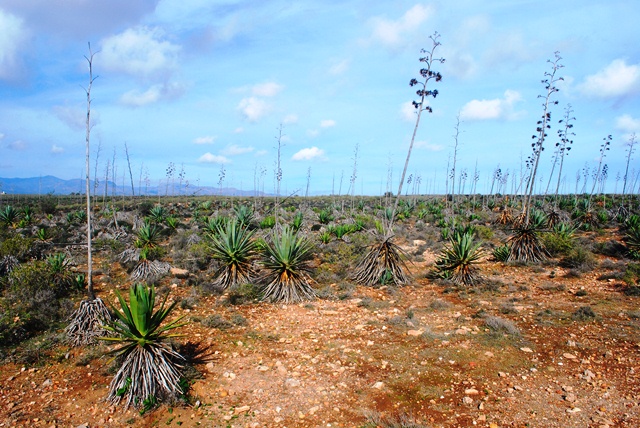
pixel 154 259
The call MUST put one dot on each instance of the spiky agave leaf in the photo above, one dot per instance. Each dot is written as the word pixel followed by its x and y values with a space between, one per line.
pixel 458 259
pixel 149 366
pixel 632 240
pixel 526 246
pixel 233 246
pixel 383 262
pixel 286 262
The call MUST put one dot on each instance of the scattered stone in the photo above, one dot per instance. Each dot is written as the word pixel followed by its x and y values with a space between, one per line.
pixel 378 385
pixel 179 273
pixel 47 383
pixel 292 383
pixel 242 409
pixel 571 398
pixel 569 356
pixel 471 391
pixel 414 333
pixel 467 400
pixel 574 410
pixel 528 350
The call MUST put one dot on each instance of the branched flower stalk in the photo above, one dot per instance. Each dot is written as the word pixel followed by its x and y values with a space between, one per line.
pixel 550 82
pixel 564 145
pixel 383 262
pixel 426 75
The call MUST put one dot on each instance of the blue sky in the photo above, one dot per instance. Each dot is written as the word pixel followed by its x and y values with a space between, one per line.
pixel 206 85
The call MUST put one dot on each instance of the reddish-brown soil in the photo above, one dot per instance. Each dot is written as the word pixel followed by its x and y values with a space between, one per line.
pixel 423 351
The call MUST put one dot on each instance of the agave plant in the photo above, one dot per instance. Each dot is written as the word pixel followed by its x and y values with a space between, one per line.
pixel 296 223
pixel 150 368
pixel 148 236
pixel 146 268
pixel 324 216
pixel 383 263
pixel 286 262
pixel 501 253
pixel 244 214
pixel 458 259
pixel 212 223
pixel 9 215
pixel 505 217
pixel 232 245
pixel 632 240
pixel 157 214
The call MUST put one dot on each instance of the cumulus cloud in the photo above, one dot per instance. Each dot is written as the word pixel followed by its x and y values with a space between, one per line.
pixel 159 92
pixel 392 34
pixel 209 139
pixel 290 119
pixel 408 111
pixel 311 153
pixel 267 89
pixel 142 52
pixel 253 108
pixel 211 158
pixel 235 150
pixel 615 80
pixel 626 123
pixel 327 123
pixel 429 146
pixel 13 37
pixel 498 108
pixel 55 149
pixel 73 117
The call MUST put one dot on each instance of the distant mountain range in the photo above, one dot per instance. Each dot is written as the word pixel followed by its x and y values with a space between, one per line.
pixel 53 185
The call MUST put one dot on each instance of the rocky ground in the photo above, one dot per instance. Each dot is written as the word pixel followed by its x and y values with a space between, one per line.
pixel 531 347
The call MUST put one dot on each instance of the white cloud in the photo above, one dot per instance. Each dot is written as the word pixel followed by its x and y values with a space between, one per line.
pixel 210 158
pixel 267 89
pixel 1 135
pixel 498 108
pixel 626 123
pixel 311 153
pixel 12 40
pixel 55 149
pixel 392 34
pixel 141 52
pixel 160 92
pixel 235 150
pixel 18 145
pixel 238 130
pixel 261 152
pixel 209 139
pixel 290 119
pixel 74 117
pixel 327 123
pixel 253 108
pixel 429 146
pixel 408 111
pixel 313 133
pixel 615 80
